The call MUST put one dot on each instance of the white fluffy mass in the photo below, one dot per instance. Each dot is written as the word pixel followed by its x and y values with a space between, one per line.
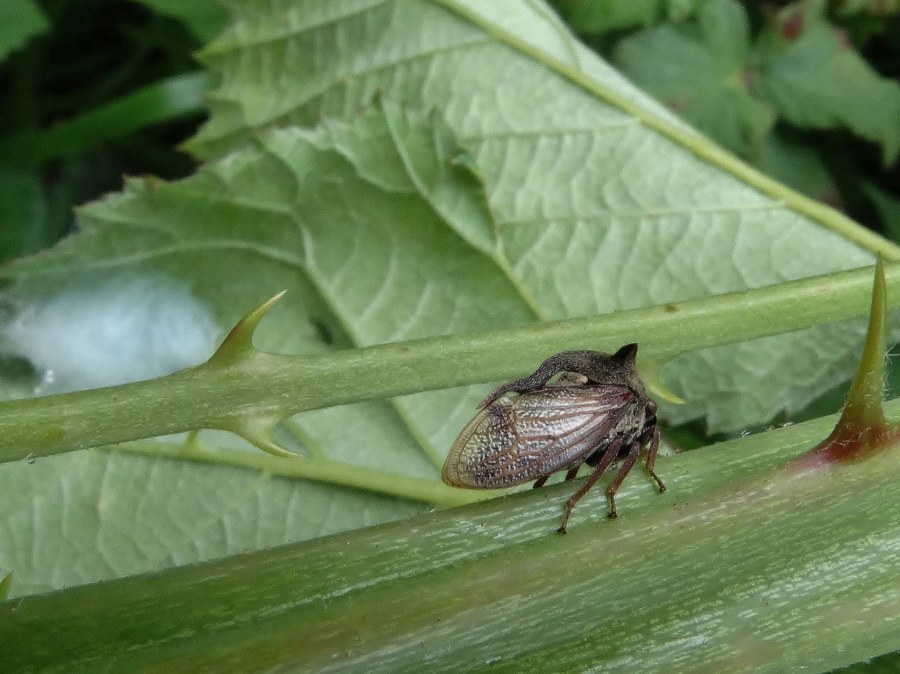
pixel 112 332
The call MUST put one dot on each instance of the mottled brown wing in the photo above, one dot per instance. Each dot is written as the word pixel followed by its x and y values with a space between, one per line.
pixel 538 433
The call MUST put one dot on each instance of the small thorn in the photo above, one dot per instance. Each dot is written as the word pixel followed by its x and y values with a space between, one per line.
pixel 649 371
pixel 239 342
pixel 258 432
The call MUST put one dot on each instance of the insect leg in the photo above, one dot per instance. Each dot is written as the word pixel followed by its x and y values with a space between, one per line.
pixel 634 451
pixel 608 457
pixel 651 459
pixel 570 474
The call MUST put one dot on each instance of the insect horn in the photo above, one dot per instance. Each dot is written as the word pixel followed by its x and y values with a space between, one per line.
pixel 626 353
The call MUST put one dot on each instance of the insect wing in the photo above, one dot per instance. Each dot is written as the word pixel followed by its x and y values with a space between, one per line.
pixel 534 435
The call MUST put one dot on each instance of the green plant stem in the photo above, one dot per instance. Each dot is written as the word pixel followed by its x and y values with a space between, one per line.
pixel 798 572
pixel 255 385
pixel 314 468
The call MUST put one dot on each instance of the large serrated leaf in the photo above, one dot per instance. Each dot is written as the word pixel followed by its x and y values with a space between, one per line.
pixel 595 211
pixel 533 182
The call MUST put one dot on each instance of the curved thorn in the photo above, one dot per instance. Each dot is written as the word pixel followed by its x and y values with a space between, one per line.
pixel 862 430
pixel 649 372
pixel 258 432
pixel 239 342
pixel 864 402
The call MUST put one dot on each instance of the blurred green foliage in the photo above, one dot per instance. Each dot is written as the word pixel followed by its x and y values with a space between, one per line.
pixel 91 90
